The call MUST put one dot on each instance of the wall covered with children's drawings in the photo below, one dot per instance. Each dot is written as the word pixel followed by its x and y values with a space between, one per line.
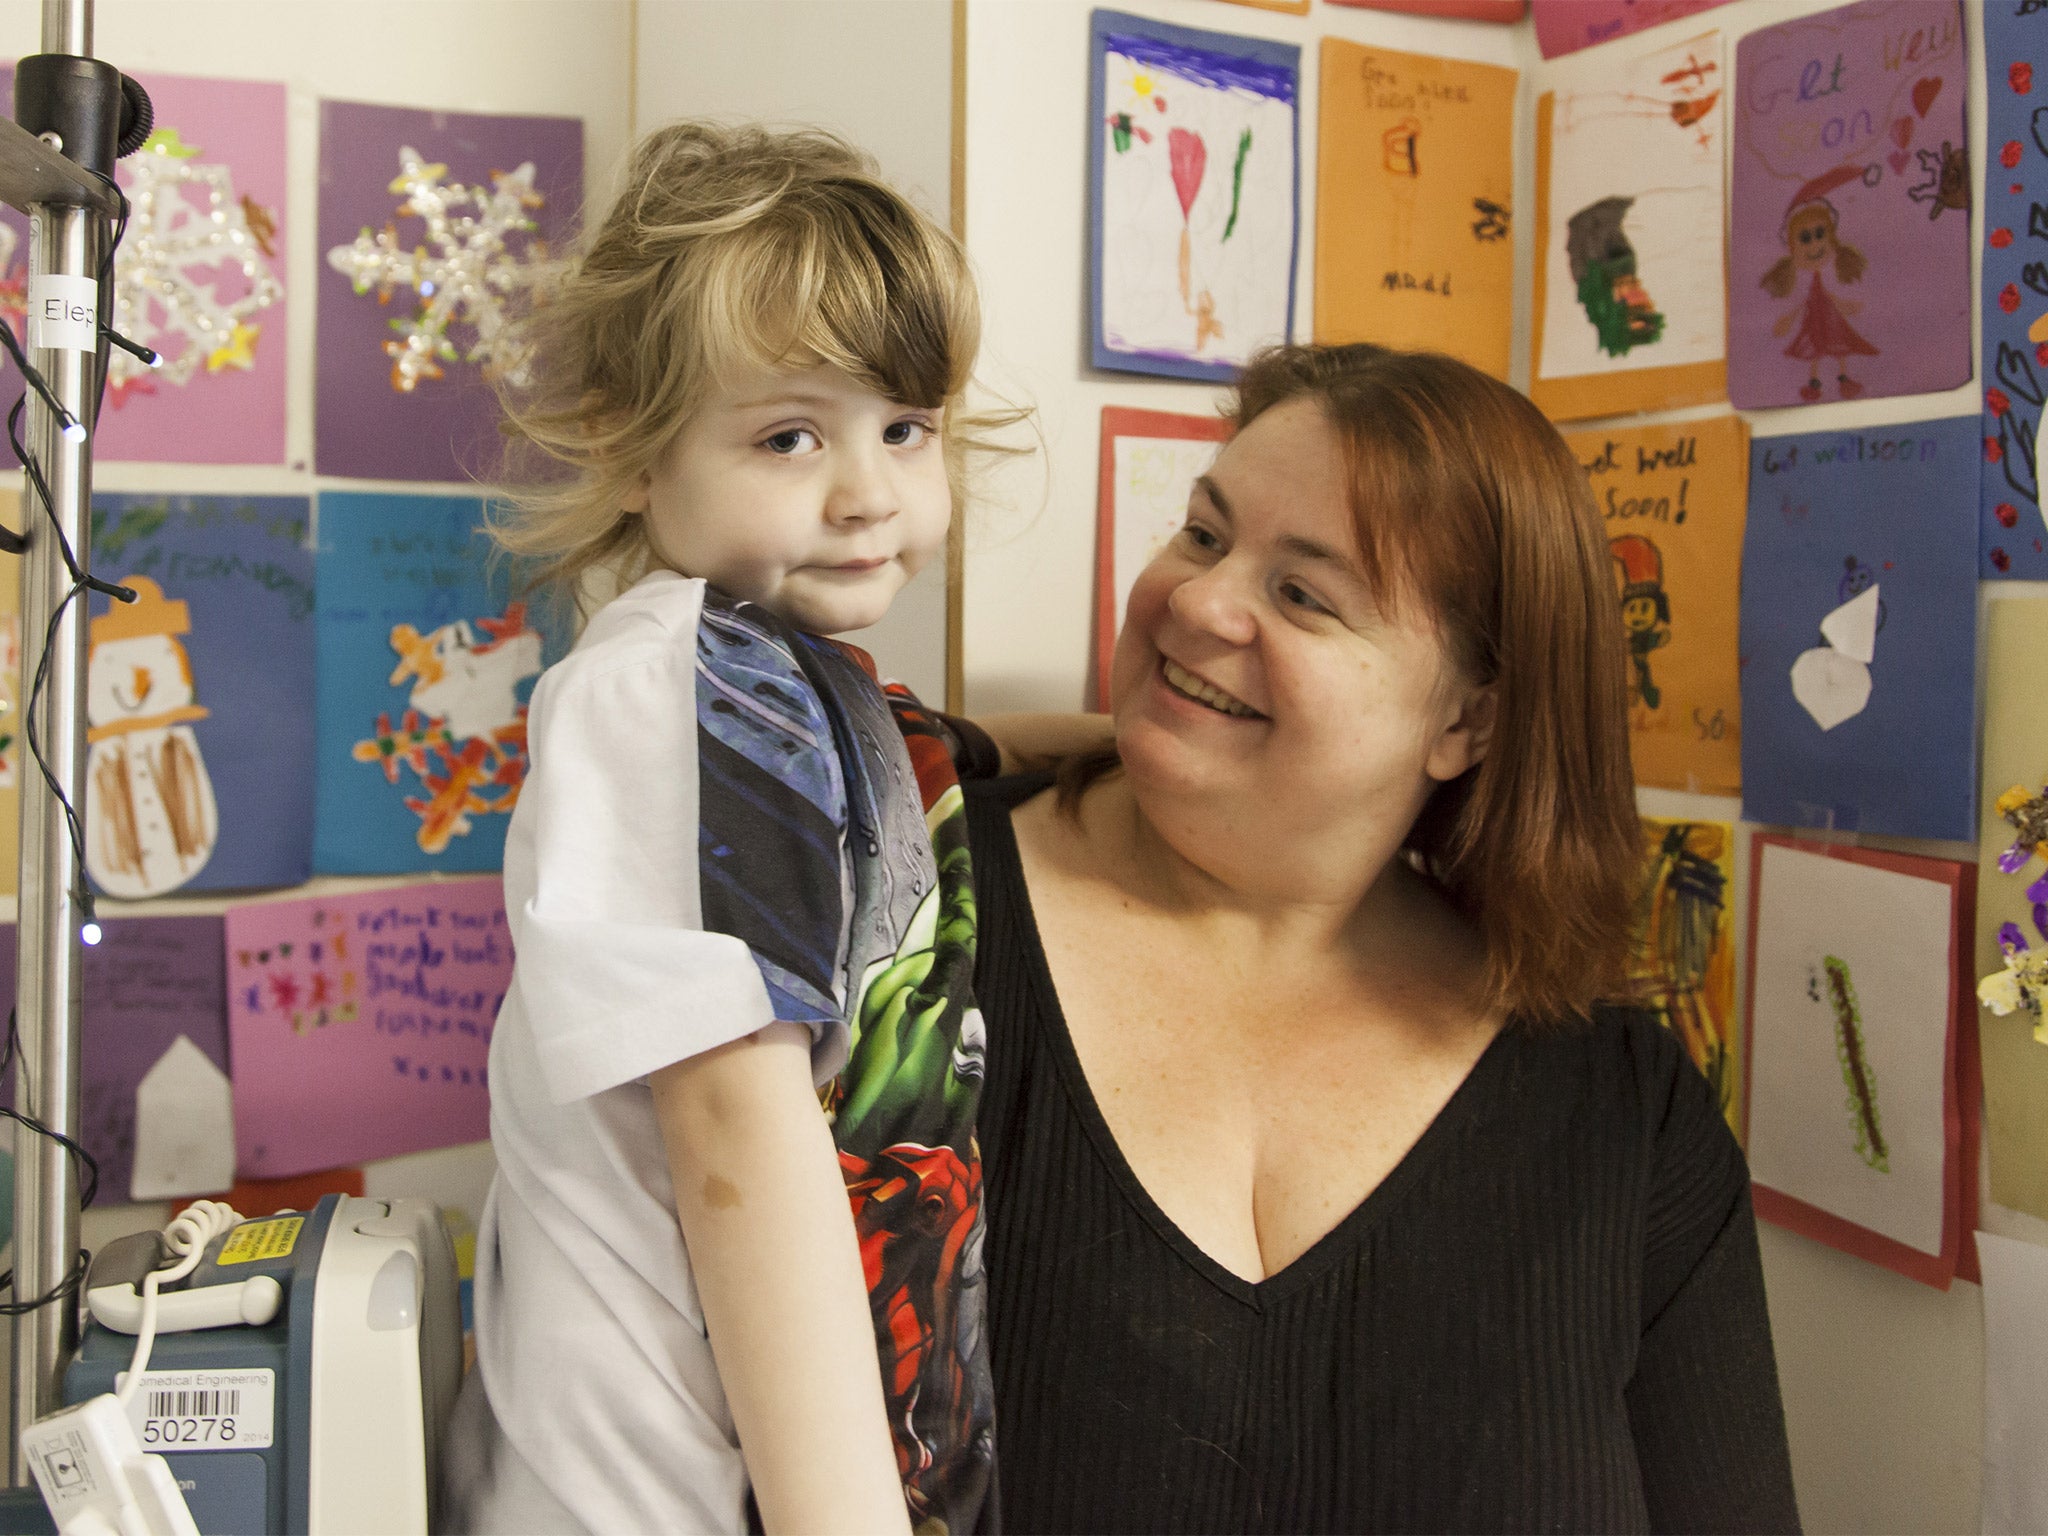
pixel 1673 437
pixel 212 478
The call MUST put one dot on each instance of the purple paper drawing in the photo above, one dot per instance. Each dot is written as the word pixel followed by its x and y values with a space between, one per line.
pixel 154 1054
pixel 432 224
pixel 1849 262
pixel 2014 372
pixel 199 277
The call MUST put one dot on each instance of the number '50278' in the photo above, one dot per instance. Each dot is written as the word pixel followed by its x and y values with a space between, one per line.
pixel 186 1431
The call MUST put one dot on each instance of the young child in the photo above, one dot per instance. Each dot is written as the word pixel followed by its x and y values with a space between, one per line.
pixel 721 876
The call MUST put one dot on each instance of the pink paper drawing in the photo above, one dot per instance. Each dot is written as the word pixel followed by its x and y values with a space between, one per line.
pixel 360 1025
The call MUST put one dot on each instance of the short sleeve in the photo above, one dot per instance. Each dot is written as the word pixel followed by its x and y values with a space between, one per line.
pixel 674 905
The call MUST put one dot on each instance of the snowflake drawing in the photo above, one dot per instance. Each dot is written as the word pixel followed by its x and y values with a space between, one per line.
pixel 193 270
pixel 463 270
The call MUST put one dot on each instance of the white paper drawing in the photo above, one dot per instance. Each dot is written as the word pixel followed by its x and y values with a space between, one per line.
pixel 1850 1021
pixel 1197 154
pixel 184 1127
pixel 151 821
pixel 1154 476
pixel 1634 244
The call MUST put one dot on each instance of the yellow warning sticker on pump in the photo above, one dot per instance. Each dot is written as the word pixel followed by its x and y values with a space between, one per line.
pixel 254 1241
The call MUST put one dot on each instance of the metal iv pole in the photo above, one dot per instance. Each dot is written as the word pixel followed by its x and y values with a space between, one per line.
pixel 54 166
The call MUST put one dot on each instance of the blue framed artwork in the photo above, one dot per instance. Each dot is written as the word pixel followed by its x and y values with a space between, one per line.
pixel 2014 367
pixel 426 663
pixel 1193 187
pixel 1859 630
pixel 199 695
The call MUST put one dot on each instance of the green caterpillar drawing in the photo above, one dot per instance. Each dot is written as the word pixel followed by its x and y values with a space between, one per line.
pixel 1857 1074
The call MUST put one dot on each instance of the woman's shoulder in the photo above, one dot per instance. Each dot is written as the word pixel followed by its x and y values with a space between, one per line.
pixel 1625 1073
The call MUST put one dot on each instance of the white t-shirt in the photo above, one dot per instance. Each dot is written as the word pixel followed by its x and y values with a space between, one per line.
pixel 594 1404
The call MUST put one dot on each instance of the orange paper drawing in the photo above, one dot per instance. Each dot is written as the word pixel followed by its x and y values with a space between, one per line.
pixel 1681 963
pixel 1415 203
pixel 1674 499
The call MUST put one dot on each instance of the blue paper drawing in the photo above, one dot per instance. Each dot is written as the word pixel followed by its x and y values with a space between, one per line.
pixel 199 695
pixel 2013 370
pixel 1193 196
pixel 426 664
pixel 1859 630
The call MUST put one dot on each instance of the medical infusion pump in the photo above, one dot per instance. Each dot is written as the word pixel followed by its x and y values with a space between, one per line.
pixel 302 1373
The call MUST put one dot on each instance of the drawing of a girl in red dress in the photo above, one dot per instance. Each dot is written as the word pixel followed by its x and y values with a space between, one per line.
pixel 1812 243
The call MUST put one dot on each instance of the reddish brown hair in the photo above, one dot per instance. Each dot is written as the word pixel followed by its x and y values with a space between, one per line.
pixel 1468 503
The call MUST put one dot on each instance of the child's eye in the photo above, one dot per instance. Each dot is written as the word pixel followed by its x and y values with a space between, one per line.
pixel 908 433
pixel 1200 537
pixel 790 441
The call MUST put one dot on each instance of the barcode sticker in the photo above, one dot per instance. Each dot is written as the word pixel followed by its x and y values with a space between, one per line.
pixel 204 1410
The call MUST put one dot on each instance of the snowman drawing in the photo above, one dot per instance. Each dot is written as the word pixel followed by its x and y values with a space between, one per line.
pixel 151 822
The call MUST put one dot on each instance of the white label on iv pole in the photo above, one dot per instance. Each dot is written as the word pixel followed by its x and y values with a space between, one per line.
pixel 63 312
pixel 204 1410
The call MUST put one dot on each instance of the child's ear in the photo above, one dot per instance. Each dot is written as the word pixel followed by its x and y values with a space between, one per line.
pixel 637 498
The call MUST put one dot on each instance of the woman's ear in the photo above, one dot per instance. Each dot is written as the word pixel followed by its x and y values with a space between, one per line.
pixel 637 498
pixel 1466 740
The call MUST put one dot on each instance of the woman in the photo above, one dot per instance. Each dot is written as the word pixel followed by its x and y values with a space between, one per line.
pixel 1318 1197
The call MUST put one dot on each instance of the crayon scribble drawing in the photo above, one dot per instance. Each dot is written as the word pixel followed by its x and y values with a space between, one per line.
pixel 2014 289
pixel 1849 269
pixel 1838 993
pixel 1854 1086
pixel 1682 957
pixel 1629 264
pixel 463 732
pixel 1194 196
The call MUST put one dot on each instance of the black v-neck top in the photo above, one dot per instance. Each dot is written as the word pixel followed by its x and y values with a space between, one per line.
pixel 1548 1317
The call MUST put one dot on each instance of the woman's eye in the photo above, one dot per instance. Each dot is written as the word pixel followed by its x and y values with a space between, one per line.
pixel 1299 597
pixel 1200 537
pixel 789 440
pixel 906 434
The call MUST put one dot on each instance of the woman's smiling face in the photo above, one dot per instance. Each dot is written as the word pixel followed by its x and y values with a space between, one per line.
pixel 1258 668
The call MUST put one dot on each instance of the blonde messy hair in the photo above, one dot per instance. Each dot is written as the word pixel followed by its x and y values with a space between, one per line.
pixel 728 248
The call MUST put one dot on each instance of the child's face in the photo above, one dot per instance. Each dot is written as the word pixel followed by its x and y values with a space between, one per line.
pixel 1812 238
pixel 802 491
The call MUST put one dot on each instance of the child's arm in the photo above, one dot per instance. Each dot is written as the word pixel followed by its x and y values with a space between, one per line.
pixel 1027 742
pixel 764 1214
